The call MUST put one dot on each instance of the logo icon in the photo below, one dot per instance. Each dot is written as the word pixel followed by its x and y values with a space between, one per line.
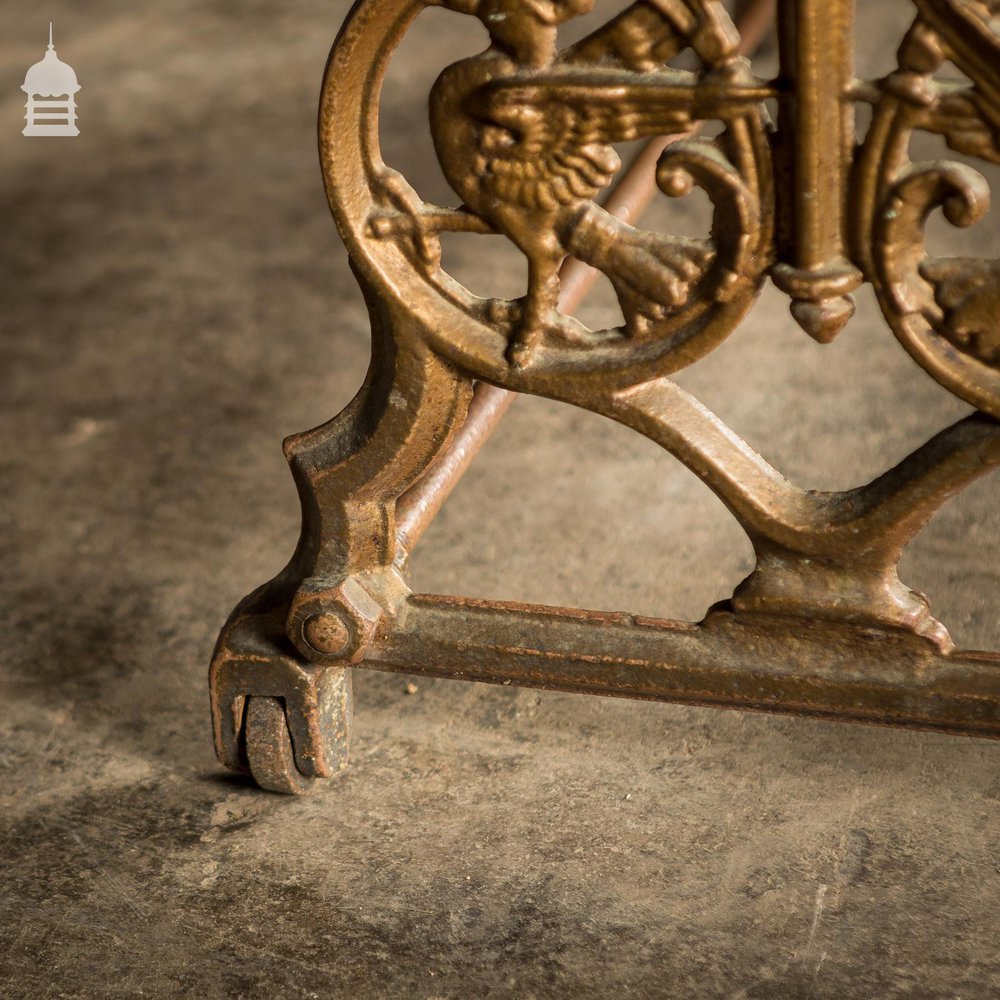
pixel 50 78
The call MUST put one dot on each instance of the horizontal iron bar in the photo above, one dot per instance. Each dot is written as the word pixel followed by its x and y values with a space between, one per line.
pixel 792 666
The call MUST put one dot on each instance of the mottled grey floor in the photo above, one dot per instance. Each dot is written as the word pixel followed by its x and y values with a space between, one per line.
pixel 174 301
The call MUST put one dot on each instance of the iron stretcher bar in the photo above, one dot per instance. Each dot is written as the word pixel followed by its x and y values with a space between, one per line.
pixel 897 679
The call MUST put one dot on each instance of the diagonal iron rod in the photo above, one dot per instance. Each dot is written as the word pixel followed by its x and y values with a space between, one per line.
pixel 629 197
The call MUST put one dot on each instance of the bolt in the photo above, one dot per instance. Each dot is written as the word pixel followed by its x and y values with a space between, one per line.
pixel 327 633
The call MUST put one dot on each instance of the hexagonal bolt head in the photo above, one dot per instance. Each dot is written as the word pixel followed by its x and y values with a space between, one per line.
pixel 342 624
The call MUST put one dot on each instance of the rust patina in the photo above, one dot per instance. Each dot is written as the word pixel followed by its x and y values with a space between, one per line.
pixel 525 134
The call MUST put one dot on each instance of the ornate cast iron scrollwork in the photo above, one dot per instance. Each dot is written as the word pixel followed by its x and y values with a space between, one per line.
pixel 944 311
pixel 525 134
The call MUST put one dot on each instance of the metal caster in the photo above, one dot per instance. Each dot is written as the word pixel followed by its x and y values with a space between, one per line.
pixel 269 748
pixel 282 719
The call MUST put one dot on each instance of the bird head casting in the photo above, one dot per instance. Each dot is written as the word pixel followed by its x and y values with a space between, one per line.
pixel 524 30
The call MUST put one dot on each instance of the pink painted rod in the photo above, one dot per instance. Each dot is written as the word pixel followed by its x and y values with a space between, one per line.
pixel 627 201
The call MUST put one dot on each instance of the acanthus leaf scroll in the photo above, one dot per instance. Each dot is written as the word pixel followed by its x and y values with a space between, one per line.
pixel 945 311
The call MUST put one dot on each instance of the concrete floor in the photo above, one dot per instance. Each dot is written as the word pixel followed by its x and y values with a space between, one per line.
pixel 175 301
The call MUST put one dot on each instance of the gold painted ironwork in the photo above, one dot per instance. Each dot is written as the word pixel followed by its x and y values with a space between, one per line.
pixel 524 132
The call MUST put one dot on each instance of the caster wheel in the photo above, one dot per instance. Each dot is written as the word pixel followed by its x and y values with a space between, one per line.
pixel 269 748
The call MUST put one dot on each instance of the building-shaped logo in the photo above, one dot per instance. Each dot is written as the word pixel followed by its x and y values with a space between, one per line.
pixel 50 78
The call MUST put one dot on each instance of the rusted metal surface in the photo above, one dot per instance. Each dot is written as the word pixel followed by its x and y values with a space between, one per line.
pixel 524 132
pixel 791 666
